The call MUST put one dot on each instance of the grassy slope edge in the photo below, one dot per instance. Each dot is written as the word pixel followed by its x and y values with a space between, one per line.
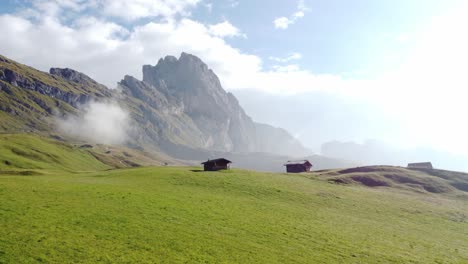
pixel 32 152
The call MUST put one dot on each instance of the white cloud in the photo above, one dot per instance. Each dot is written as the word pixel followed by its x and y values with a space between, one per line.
pixel 124 9
pixel 286 68
pixel 225 29
pixel 285 22
pixel 282 22
pixel 136 9
pixel 105 123
pixel 292 56
pixel 233 3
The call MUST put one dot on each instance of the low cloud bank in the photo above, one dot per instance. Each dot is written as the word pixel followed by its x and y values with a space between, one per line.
pixel 100 122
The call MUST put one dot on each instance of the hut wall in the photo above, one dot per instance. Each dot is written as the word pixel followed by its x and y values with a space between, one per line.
pixel 294 168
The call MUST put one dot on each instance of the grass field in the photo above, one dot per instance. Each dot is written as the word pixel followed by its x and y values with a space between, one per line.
pixel 172 215
pixel 181 215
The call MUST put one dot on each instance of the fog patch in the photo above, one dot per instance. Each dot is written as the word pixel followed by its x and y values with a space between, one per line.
pixel 100 122
pixel 374 152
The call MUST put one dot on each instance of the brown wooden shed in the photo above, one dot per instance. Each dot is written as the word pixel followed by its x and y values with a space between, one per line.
pixel 217 164
pixel 420 165
pixel 296 166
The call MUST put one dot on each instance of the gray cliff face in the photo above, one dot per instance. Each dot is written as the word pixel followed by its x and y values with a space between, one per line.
pixel 216 113
pixel 185 101
pixel 81 91
pixel 19 80
pixel 82 80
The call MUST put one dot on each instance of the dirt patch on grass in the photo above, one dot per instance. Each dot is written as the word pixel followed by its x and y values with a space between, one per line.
pixel 370 180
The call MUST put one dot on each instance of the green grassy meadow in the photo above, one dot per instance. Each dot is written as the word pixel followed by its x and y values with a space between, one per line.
pixel 182 215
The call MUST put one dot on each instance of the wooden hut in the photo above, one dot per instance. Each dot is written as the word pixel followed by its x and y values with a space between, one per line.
pixel 420 165
pixel 296 166
pixel 217 164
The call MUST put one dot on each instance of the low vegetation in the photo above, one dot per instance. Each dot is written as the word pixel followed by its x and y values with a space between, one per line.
pixel 418 180
pixel 31 152
pixel 61 205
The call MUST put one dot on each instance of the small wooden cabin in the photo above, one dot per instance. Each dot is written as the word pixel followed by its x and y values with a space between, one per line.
pixel 296 166
pixel 217 164
pixel 420 165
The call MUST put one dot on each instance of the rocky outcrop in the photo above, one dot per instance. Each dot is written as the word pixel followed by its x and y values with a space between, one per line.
pixel 188 96
pixel 224 124
pixel 83 81
pixel 74 94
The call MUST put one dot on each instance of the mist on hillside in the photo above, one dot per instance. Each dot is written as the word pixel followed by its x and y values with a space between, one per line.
pixel 99 122
pixel 373 152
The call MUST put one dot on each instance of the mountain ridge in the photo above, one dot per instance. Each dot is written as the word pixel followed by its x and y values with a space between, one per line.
pixel 180 110
pixel 216 114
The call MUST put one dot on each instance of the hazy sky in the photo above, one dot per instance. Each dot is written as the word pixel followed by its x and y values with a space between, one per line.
pixel 350 70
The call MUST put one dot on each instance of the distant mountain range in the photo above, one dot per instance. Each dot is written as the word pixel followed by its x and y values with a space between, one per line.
pixel 179 108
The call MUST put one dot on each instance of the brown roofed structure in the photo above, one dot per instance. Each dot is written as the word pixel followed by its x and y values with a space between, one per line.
pixel 296 166
pixel 420 165
pixel 216 164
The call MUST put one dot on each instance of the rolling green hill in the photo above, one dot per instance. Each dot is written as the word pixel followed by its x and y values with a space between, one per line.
pixel 417 180
pixel 30 152
pixel 184 215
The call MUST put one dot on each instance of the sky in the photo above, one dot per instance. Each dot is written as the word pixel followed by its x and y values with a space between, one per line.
pixel 337 70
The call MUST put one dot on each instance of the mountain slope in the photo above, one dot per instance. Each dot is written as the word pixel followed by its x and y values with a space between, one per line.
pixel 187 99
pixel 29 98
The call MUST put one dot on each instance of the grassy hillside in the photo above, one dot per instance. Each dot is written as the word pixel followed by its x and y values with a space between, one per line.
pixel 180 215
pixel 60 204
pixel 417 180
pixel 124 157
pixel 29 152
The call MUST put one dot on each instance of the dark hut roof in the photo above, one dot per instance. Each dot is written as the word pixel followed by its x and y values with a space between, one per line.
pixel 217 160
pixel 420 163
pixel 298 162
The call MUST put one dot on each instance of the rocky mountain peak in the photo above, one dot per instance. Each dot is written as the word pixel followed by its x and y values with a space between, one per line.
pixel 192 106
pixel 188 73
pixel 69 74
pixel 82 80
